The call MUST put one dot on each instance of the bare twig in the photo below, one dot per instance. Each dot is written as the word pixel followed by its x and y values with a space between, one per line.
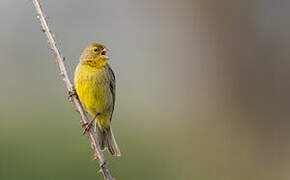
pixel 98 155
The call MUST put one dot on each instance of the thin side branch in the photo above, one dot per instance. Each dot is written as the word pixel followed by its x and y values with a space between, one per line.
pixel 98 155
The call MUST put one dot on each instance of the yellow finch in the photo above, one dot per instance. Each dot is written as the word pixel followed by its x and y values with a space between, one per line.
pixel 95 86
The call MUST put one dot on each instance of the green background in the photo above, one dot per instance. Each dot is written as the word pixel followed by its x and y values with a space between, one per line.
pixel 202 89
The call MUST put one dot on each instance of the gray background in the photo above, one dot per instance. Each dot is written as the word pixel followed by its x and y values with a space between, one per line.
pixel 202 89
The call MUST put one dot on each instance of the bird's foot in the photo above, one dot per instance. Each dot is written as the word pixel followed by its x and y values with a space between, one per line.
pixel 89 125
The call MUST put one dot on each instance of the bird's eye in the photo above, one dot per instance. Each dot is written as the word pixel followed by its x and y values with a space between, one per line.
pixel 96 50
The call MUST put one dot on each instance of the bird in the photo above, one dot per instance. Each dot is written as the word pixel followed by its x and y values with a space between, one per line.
pixel 95 86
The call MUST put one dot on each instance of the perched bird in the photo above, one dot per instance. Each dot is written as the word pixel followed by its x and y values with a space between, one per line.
pixel 94 82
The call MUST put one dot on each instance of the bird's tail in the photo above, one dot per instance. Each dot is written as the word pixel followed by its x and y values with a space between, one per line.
pixel 106 139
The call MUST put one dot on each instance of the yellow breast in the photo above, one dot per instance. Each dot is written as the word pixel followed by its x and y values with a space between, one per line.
pixel 93 89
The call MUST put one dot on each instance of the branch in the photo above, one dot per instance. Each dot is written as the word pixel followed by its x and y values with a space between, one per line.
pixel 98 155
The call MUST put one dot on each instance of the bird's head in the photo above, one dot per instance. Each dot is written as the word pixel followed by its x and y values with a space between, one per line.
pixel 95 55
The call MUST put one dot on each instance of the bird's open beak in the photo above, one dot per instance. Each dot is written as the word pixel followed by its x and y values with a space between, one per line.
pixel 104 54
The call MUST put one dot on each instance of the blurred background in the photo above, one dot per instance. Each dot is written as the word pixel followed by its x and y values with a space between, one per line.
pixel 202 89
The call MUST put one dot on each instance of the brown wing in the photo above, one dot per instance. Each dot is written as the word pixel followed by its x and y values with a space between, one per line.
pixel 112 86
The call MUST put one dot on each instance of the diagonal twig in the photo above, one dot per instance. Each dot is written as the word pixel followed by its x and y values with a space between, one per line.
pixel 98 155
